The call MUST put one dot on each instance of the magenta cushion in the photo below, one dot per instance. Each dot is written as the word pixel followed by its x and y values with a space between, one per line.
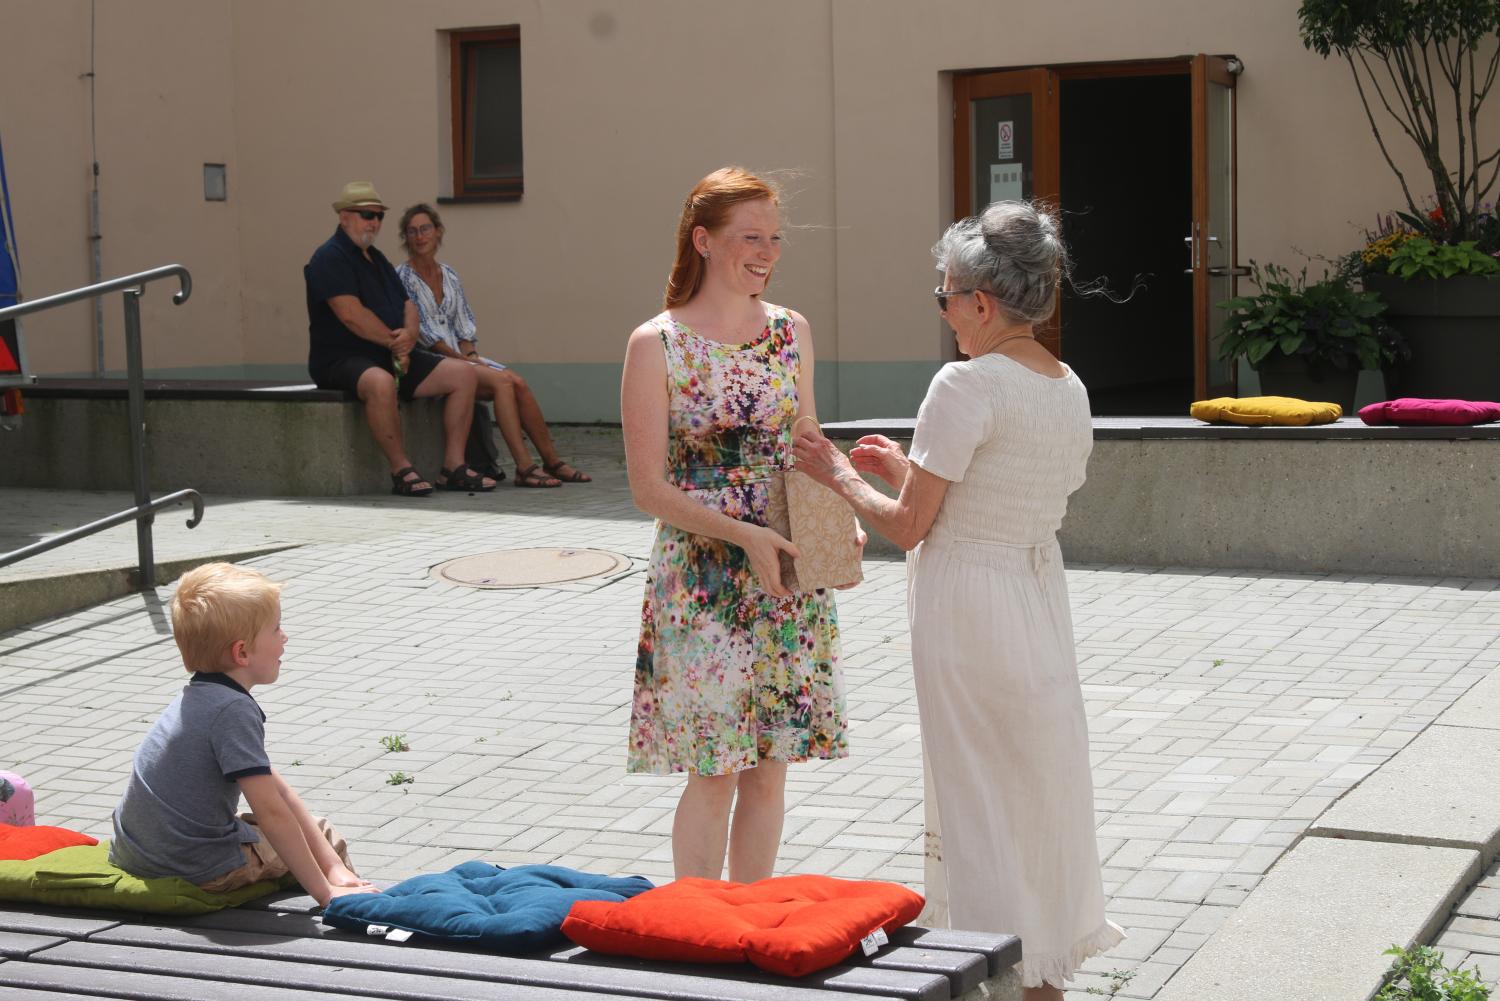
pixel 1412 410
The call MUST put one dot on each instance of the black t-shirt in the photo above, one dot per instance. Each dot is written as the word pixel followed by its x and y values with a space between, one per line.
pixel 339 268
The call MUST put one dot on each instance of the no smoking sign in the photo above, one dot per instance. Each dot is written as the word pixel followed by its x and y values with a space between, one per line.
pixel 1007 140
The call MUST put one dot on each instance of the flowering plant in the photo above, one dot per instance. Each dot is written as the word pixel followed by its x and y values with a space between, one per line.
pixel 1421 247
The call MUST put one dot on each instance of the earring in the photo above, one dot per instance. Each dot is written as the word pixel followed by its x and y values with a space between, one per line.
pixel 705 255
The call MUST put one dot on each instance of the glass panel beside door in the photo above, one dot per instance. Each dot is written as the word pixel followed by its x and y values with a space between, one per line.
pixel 1219 246
pixel 1000 141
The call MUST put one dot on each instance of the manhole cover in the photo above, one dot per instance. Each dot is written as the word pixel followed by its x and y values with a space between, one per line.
pixel 530 567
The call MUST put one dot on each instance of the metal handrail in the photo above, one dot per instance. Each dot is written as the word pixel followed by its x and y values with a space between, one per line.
pixel 131 288
pixel 104 288
pixel 129 514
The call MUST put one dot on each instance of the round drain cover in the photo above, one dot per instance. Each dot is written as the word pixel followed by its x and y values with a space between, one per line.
pixel 530 567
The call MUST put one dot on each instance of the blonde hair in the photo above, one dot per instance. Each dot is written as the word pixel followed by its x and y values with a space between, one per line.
pixel 217 605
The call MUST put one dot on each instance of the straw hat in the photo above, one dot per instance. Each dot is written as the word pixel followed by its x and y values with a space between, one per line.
pixel 359 195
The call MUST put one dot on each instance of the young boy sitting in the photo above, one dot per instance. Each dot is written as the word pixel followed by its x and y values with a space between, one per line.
pixel 178 814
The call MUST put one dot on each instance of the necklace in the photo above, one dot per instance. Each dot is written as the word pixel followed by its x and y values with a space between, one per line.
pixel 994 349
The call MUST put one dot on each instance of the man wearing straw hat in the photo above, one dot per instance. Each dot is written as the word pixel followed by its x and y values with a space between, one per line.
pixel 363 337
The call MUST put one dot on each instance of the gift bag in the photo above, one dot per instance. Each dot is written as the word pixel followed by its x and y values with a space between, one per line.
pixel 821 524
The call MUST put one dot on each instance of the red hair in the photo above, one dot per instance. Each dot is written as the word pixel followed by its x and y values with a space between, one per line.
pixel 708 205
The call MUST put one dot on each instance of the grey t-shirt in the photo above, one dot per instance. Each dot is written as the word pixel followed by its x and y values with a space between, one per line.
pixel 179 814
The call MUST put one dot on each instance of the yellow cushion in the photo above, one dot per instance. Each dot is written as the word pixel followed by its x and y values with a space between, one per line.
pixel 1280 411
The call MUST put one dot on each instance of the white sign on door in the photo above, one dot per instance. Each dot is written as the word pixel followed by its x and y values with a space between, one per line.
pixel 1005 182
pixel 1007 141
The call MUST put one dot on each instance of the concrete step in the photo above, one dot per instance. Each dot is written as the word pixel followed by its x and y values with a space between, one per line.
pixel 1441 789
pixel 24 600
pixel 1317 925
pixel 1479 707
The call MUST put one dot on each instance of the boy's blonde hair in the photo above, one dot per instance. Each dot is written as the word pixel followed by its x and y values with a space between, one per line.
pixel 216 605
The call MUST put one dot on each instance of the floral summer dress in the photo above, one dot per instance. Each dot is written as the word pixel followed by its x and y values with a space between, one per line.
pixel 727 675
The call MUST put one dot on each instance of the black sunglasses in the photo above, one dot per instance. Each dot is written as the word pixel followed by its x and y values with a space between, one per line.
pixel 942 296
pixel 368 214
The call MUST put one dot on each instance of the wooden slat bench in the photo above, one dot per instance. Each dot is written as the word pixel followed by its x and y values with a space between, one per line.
pixel 278 949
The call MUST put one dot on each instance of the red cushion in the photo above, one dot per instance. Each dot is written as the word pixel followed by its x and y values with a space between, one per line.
pixel 1412 410
pixel 790 925
pixel 19 844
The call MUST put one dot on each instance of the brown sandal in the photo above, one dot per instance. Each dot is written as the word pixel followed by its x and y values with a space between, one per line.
pixel 413 485
pixel 576 477
pixel 529 477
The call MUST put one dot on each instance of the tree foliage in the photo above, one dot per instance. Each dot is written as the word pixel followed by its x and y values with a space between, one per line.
pixel 1429 65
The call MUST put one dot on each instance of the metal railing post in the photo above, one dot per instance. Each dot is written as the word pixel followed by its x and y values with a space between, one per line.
pixel 136 414
pixel 144 512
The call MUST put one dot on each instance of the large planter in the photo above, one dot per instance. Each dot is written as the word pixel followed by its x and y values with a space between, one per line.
pixel 1288 375
pixel 1453 328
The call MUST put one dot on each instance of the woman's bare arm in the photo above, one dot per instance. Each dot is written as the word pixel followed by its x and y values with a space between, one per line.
pixel 905 520
pixel 643 415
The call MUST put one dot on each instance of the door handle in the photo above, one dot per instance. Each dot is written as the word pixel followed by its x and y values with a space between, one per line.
pixel 1228 272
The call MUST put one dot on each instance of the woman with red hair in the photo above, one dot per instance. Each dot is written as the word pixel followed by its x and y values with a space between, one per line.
pixel 736 675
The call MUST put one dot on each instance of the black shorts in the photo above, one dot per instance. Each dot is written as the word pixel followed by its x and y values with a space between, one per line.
pixel 344 372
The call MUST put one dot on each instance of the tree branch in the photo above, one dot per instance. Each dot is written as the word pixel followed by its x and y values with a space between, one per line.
pixel 1370 115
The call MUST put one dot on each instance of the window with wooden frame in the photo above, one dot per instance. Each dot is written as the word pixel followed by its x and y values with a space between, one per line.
pixel 486 71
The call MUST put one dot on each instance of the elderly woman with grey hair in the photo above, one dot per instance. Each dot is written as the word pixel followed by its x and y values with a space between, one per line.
pixel 1001 440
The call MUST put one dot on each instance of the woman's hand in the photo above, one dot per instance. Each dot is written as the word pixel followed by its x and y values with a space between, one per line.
pixel 821 459
pixel 878 455
pixel 763 546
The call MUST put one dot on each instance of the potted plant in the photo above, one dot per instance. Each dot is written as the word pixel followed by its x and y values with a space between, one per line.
pixel 1428 66
pixel 1308 341
pixel 1445 296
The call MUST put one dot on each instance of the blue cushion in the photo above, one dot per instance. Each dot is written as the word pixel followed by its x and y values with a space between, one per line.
pixel 507 910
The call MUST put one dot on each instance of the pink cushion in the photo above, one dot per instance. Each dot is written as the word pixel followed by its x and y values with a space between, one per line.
pixel 1411 410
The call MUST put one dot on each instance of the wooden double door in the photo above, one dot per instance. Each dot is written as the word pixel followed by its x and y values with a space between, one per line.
pixel 1146 152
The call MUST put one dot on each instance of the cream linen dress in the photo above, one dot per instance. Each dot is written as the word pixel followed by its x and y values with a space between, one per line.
pixel 1010 799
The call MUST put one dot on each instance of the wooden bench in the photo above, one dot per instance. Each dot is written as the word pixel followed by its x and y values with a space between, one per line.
pixel 277 949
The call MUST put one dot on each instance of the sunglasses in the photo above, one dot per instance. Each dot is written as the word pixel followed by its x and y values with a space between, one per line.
pixel 416 231
pixel 368 214
pixel 942 296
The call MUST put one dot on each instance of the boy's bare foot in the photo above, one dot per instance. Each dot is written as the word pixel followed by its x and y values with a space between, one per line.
pixel 344 891
pixel 341 875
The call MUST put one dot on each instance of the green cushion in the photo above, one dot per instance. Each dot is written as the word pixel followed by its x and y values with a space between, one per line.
pixel 82 877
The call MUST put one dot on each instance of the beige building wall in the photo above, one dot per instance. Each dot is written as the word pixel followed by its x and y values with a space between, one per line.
pixel 626 104
pixel 163 108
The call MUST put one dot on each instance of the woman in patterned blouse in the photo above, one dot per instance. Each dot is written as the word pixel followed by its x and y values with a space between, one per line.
pixel 448 328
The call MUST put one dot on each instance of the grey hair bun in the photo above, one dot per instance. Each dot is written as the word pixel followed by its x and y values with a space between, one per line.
pixel 1013 250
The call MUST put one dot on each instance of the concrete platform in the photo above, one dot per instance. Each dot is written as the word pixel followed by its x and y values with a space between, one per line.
pixel 1340 498
pixel 252 447
pixel 1316 927
pixel 1227 709
pixel 1441 789
pixel 1479 707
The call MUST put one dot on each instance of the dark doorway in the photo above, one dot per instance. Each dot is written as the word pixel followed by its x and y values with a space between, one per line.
pixel 1126 180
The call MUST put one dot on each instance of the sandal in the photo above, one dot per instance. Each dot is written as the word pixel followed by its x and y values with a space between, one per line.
pixel 529 477
pixel 463 477
pixel 417 486
pixel 553 470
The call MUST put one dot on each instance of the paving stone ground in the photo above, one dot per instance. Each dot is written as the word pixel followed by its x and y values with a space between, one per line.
pixel 1227 709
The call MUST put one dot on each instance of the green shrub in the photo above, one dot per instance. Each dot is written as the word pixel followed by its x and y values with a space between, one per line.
pixel 1420 257
pixel 1330 323
pixel 1419 974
